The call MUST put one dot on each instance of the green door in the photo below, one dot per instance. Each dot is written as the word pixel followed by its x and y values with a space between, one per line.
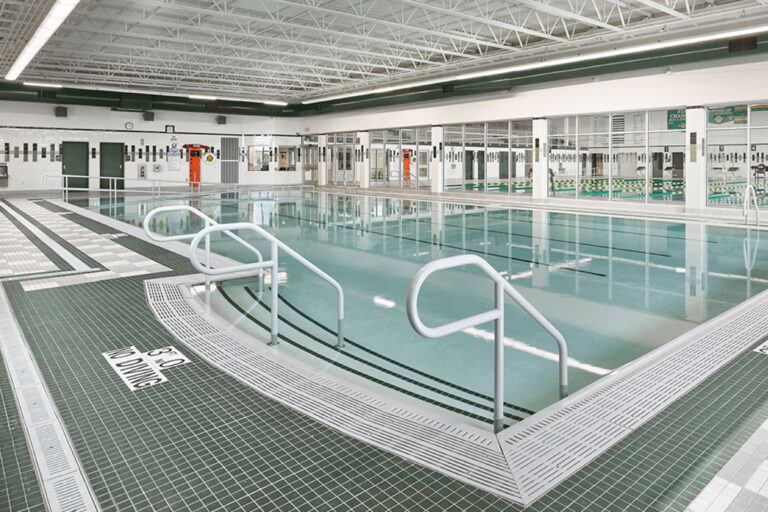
pixel 503 165
pixel 111 164
pixel 74 161
pixel 468 161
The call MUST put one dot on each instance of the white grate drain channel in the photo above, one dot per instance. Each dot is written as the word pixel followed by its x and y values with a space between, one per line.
pixel 58 469
pixel 524 461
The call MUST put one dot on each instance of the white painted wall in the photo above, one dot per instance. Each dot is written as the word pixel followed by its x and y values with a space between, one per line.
pixel 32 123
pixel 656 90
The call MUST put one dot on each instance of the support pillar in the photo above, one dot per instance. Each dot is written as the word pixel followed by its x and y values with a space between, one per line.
pixel 322 160
pixel 364 159
pixel 695 158
pixel 540 177
pixel 436 160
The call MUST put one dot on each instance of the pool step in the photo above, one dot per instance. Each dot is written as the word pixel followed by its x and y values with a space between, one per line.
pixel 319 341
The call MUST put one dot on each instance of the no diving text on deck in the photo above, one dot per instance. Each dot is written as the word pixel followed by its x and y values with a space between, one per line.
pixel 141 370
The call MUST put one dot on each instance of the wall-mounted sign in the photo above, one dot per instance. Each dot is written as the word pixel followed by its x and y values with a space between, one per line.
pixel 209 158
pixel 174 154
pixel 143 369
pixel 736 114
pixel 676 119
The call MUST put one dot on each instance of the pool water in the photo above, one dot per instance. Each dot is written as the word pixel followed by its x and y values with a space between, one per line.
pixel 616 288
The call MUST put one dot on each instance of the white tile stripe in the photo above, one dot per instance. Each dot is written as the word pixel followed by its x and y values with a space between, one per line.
pixel 58 249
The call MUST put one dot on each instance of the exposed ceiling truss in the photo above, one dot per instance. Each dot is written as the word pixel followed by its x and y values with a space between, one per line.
pixel 299 49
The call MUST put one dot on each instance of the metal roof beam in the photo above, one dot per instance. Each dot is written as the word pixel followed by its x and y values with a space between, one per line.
pixel 480 19
pixel 563 13
pixel 394 24
pixel 233 13
pixel 207 30
pixel 663 8
pixel 176 51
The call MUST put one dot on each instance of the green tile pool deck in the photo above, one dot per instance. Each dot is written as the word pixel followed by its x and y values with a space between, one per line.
pixel 203 441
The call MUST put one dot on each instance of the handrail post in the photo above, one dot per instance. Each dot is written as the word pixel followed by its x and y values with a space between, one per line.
pixel 498 365
pixel 274 341
pixel 66 189
pixel 207 265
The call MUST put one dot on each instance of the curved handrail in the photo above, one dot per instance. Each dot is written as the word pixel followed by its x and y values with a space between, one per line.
pixel 190 236
pixel 276 243
pixel 502 287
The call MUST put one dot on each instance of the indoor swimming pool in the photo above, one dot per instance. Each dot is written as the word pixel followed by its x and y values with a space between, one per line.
pixel 617 288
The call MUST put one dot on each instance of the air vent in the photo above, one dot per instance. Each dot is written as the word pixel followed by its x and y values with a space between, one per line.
pixel 742 45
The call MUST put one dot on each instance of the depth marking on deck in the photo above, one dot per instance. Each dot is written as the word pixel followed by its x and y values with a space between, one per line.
pixel 143 369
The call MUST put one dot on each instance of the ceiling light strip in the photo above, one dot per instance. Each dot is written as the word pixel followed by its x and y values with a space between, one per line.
pixel 50 24
pixel 551 63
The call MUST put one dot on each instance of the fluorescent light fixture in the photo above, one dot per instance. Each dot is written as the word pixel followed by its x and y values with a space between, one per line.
pixel 202 97
pixel 270 102
pixel 50 24
pixel 733 34
pixel 42 84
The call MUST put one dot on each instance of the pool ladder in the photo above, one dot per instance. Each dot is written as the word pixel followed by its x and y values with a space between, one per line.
pixel 501 287
pixel 211 226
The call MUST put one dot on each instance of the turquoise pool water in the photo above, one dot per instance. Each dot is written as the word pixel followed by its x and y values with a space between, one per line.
pixel 616 288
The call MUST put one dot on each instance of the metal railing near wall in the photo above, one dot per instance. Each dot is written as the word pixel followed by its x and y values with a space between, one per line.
pixel 155 186
pixel 211 226
pixel 501 287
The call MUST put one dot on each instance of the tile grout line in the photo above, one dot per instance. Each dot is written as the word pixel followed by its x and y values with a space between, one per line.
pixel 58 469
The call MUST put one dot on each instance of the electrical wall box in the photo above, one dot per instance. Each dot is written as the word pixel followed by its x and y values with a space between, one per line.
pixel 221 119
pixel 60 111
pixel 149 116
pixel 157 167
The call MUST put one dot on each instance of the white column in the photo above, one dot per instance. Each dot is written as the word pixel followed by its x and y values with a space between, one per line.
pixel 364 159
pixel 322 160
pixel 436 164
pixel 695 158
pixel 540 158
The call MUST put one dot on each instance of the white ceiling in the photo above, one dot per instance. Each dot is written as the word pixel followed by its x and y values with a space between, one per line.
pixel 300 49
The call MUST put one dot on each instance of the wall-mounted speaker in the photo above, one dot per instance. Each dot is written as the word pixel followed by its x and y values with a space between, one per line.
pixel 221 119
pixel 148 116
pixel 60 111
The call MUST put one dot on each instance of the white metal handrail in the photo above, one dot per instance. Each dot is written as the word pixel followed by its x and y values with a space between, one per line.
pixel 206 269
pixel 501 287
pixel 750 193
pixel 189 236
pixel 156 184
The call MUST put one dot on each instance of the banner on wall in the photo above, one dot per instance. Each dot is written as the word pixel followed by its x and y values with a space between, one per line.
pixel 174 154
pixel 736 114
pixel 676 119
